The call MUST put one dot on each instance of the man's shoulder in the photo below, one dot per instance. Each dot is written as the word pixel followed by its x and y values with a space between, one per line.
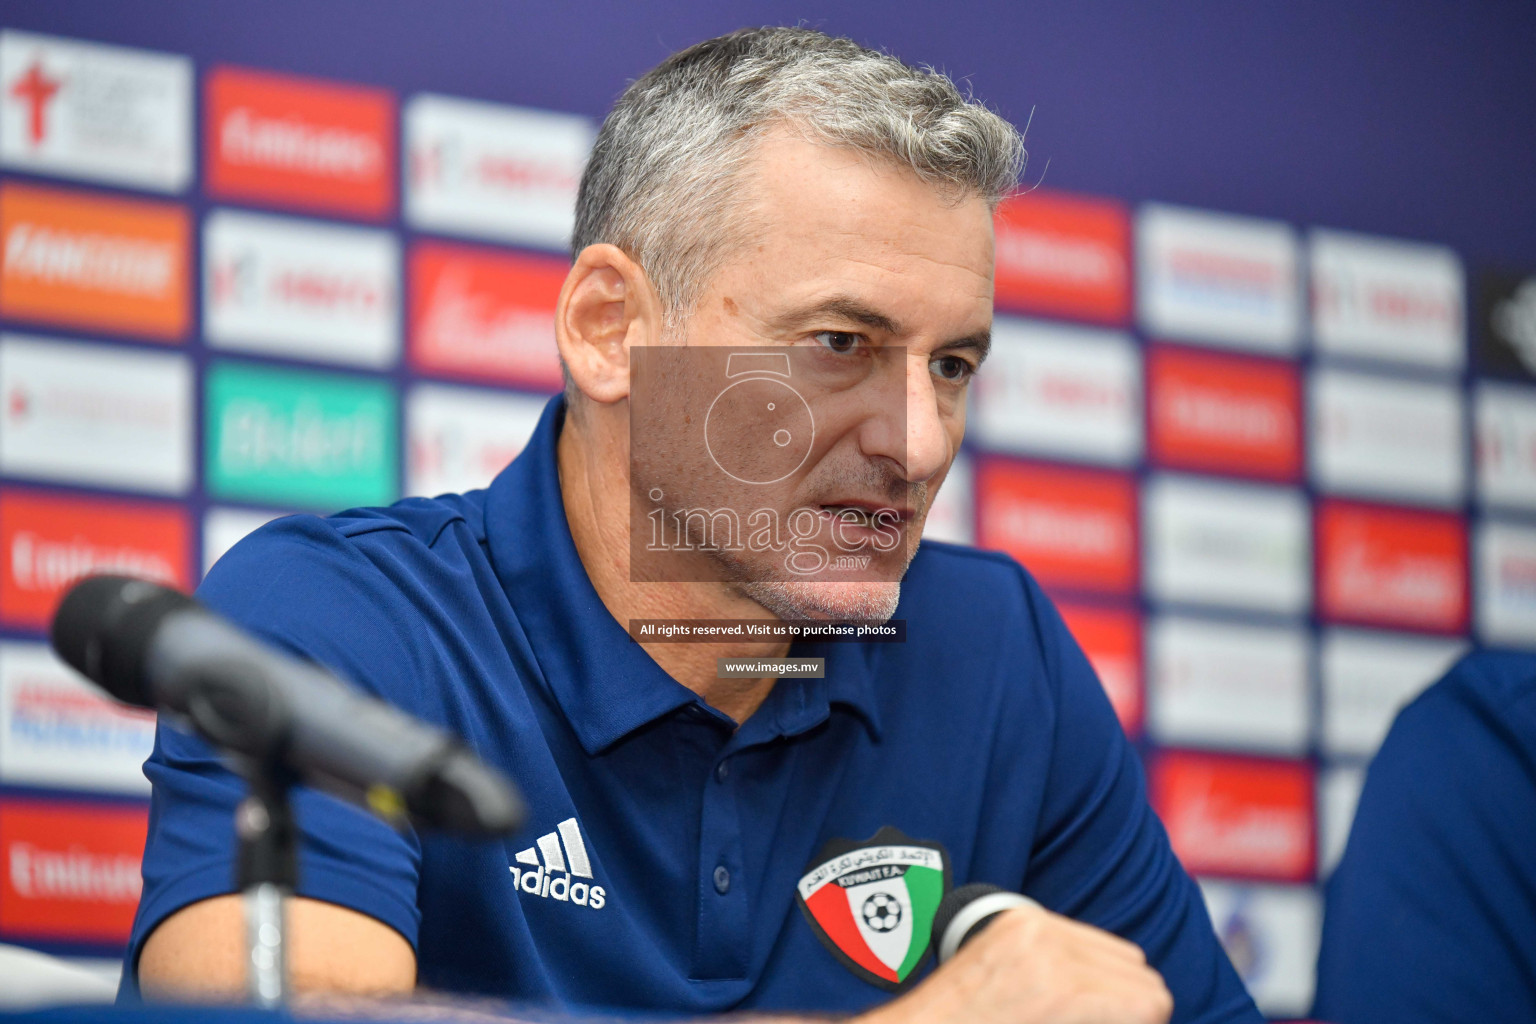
pixel 375 556
pixel 1461 753
pixel 1500 677
pixel 410 525
pixel 365 592
pixel 1486 703
pixel 982 616
pixel 982 587
pixel 1486 691
pixel 422 520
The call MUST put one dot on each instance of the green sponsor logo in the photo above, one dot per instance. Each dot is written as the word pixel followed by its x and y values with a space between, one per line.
pixel 322 440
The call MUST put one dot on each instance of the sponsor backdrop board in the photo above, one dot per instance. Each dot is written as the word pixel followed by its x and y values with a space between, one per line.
pixel 1277 468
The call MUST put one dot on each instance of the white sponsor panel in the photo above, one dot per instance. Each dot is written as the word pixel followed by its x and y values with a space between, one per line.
pixel 1381 437
pixel 493 171
pixel 952 515
pixel 1227 544
pixel 1052 389
pixel 95 414
pixel 223 528
pixel 1217 278
pixel 1270 932
pixel 1214 684
pixel 95 112
pixel 1368 676
pixel 1506 584
pixel 1505 425
pixel 58 730
pixel 460 438
pixel 1338 794
pixel 1383 298
pixel 301 289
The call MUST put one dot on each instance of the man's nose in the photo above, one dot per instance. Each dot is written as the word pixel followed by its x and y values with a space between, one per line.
pixel 908 428
pixel 928 450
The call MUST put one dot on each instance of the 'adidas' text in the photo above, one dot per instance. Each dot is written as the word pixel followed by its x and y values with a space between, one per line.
pixel 556 877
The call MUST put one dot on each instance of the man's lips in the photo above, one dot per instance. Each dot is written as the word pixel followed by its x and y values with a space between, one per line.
pixel 869 511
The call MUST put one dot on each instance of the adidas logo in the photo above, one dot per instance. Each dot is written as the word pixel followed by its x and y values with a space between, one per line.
pixel 555 877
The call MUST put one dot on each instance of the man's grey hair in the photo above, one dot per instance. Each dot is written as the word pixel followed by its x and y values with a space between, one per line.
pixel 665 176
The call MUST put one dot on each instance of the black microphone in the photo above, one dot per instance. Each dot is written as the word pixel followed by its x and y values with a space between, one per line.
pixel 152 646
pixel 967 910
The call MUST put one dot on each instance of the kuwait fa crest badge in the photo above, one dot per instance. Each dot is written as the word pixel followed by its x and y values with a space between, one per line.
pixel 872 903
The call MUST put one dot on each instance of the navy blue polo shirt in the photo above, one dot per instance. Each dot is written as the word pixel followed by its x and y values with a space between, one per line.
pixel 660 866
pixel 1431 913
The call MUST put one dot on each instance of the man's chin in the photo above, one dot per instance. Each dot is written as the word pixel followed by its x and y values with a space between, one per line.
pixel 825 602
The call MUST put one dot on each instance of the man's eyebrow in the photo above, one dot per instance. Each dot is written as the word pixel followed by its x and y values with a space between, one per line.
pixel 842 307
pixel 846 308
pixel 981 342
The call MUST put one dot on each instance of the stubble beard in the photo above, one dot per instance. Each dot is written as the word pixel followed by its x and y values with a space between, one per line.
pixel 805 600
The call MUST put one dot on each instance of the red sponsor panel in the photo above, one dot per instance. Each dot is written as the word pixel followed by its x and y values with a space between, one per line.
pixel 1074 529
pixel 1237 816
pixel 47 541
pixel 71 869
pixel 1111 637
pixel 1064 255
pixel 300 142
pixel 1392 567
pixel 481 314
pixel 1226 414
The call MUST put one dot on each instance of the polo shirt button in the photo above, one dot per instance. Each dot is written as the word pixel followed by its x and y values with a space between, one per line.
pixel 722 880
pixel 722 771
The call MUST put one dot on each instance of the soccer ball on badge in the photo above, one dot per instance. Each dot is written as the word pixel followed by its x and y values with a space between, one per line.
pixel 882 912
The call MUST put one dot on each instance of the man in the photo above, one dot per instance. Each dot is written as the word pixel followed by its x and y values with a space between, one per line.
pixel 780 237
pixel 1432 910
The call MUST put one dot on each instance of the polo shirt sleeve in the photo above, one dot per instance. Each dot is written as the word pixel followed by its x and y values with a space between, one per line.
pixel 301 586
pixel 1101 855
pixel 1431 913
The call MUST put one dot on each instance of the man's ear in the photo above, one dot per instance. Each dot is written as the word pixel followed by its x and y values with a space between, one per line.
pixel 606 305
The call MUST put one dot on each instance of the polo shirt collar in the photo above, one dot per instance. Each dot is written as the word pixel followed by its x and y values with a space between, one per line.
pixel 849 682
pixel 605 683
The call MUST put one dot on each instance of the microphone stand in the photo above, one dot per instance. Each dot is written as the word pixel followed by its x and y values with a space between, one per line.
pixel 267 872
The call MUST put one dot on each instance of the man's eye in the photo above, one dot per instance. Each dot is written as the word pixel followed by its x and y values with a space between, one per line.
pixel 837 341
pixel 953 368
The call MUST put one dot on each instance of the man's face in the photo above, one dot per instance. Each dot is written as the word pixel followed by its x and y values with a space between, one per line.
pixel 879 291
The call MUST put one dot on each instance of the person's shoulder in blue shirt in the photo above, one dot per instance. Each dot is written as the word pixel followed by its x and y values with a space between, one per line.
pixel 1431 913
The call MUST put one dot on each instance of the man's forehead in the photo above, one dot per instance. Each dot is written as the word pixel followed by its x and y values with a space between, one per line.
pixel 826 238
pixel 781 165
pixel 820 203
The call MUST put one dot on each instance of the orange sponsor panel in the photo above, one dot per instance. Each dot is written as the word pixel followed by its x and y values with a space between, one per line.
pixel 1064 255
pixel 300 142
pixel 1392 566
pixel 1111 637
pixel 85 260
pixel 72 869
pixel 1222 413
pixel 480 314
pixel 48 541
pixel 1074 529
pixel 1242 816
